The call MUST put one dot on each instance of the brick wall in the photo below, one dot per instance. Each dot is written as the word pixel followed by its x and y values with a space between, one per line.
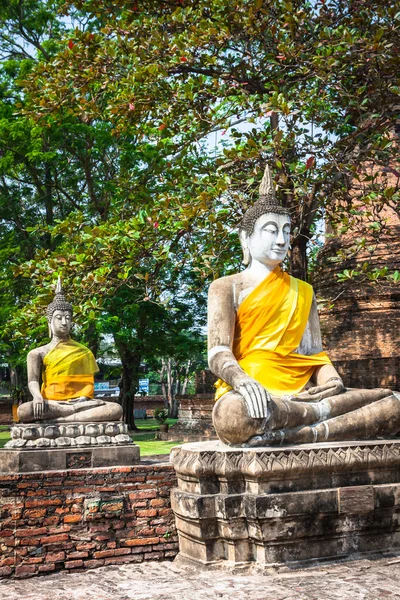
pixel 85 518
pixel 6 417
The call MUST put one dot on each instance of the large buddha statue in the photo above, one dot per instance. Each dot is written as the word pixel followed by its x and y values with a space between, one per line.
pixel 67 371
pixel 276 384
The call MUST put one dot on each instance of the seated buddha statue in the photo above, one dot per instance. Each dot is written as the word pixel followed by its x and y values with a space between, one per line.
pixel 67 371
pixel 276 384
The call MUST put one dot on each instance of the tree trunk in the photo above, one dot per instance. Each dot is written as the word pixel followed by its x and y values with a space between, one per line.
pixel 186 377
pixel 298 258
pixel 129 384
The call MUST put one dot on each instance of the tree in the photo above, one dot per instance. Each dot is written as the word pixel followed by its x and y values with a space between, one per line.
pixel 317 81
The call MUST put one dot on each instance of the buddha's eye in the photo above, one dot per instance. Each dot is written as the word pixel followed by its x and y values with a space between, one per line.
pixel 272 230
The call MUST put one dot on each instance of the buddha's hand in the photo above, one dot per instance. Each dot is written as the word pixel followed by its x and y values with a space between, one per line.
pixel 39 406
pixel 256 397
pixel 332 387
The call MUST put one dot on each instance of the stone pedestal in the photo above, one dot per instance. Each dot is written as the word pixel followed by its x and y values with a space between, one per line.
pixel 277 505
pixel 55 459
pixel 49 446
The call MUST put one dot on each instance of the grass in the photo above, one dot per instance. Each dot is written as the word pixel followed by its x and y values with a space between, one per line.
pixel 144 438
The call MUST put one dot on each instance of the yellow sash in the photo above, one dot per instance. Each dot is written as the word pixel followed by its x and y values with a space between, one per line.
pixel 270 323
pixel 68 372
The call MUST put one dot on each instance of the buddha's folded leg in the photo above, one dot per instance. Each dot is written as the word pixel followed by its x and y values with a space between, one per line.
pixel 295 413
pixel 234 425
pixel 380 418
pixel 106 411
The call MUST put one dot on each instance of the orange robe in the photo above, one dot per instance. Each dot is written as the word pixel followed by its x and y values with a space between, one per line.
pixel 68 372
pixel 270 324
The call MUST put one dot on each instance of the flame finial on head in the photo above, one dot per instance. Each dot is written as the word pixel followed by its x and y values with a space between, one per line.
pixel 267 203
pixel 59 302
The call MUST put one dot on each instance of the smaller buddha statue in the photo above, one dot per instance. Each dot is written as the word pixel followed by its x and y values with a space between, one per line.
pixel 67 371
pixel 276 384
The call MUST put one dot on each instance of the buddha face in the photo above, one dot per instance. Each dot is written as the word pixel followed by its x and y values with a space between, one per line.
pixel 61 323
pixel 269 242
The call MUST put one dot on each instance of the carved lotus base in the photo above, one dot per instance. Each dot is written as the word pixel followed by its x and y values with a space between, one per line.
pixel 31 436
pixel 272 506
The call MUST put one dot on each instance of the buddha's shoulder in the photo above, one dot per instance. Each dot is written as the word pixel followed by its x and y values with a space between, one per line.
pixel 39 352
pixel 226 284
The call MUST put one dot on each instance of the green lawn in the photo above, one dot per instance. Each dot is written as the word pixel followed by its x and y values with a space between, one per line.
pixel 143 438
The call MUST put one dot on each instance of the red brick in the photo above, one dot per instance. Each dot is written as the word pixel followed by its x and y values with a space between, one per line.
pixel 161 530
pixel 28 541
pixel 93 564
pixel 111 544
pixel 170 553
pixel 40 503
pixel 25 570
pixel 142 542
pixel 10 560
pixel 147 532
pixel 171 546
pixel 147 513
pixel 27 484
pixel 55 556
pixel 34 560
pixel 99 527
pixel 35 513
pixel 102 537
pixel 22 533
pixel 73 564
pixel 154 556
pixel 123 559
pixel 111 552
pixel 6 533
pixel 86 546
pixel 59 529
pixel 54 539
pixel 12 506
pixel 53 520
pixel 74 555
pixel 46 568
pixel 73 518
pixel 163 512
pixel 142 495
pixel 5 571
pixel 142 504
pixel 157 502
pixel 74 501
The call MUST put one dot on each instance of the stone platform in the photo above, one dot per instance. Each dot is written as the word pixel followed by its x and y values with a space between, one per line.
pixel 56 446
pixel 279 505
pixel 59 459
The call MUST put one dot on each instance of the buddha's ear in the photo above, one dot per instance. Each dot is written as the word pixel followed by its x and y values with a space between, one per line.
pixel 245 247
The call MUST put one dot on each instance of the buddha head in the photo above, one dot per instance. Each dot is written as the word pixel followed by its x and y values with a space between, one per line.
pixel 265 228
pixel 59 314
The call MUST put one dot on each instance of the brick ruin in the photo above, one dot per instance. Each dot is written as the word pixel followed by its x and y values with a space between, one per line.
pixel 360 320
pixel 85 518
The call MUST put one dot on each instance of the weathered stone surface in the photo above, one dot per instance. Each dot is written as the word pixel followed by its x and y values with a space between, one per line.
pixel 277 505
pixel 50 459
pixel 360 580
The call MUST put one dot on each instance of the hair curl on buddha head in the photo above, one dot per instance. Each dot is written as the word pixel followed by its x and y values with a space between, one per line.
pixel 59 302
pixel 267 203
